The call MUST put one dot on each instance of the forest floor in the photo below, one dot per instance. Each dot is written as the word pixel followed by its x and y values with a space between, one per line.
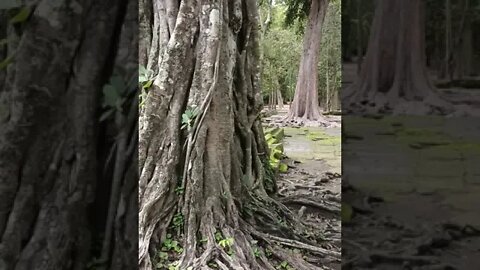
pixel 413 184
pixel 314 159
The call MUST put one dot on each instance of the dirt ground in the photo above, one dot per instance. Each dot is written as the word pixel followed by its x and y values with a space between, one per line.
pixel 313 179
pixel 414 184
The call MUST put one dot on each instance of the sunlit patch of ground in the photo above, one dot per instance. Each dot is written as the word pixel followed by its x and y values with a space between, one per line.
pixel 315 144
pixel 314 178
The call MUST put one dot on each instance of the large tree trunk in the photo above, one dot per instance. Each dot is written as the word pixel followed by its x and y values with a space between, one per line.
pixel 50 154
pixel 305 101
pixel 359 35
pixel 461 52
pixel 394 70
pixel 448 41
pixel 210 174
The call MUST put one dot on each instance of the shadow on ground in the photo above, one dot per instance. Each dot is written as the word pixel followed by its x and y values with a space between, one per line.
pixel 413 184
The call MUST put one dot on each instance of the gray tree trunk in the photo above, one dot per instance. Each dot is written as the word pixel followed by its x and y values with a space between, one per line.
pixel 49 101
pixel 305 101
pixel 212 170
pixel 394 71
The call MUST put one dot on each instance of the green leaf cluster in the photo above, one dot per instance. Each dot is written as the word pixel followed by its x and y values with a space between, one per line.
pixel 114 96
pixel 274 139
pixel 188 118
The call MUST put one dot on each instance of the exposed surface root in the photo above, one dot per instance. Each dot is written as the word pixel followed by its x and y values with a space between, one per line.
pixel 320 205
pixel 268 236
pixel 376 241
pixel 433 104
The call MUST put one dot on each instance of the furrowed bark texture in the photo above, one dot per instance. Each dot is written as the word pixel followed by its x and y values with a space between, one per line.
pixel 49 96
pixel 305 101
pixel 211 171
pixel 394 70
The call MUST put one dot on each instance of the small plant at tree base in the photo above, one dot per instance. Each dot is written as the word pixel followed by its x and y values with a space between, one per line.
pixel 172 266
pixel 225 243
pixel 213 265
pixel 268 253
pixel 178 222
pixel 203 240
pixel 171 245
pixel 179 190
pixel 162 260
pixel 284 266
pixel 256 250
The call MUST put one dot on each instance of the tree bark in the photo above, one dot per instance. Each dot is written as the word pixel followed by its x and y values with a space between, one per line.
pixel 394 71
pixel 49 166
pixel 305 102
pixel 448 40
pixel 210 173
pixel 359 35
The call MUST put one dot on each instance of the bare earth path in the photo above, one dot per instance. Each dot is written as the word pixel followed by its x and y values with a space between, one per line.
pixel 312 185
pixel 414 193
pixel 413 183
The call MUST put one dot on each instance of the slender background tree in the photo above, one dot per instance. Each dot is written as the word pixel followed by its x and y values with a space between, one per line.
pixel 305 102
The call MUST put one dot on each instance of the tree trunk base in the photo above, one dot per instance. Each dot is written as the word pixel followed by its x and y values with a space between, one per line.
pixel 390 104
pixel 262 238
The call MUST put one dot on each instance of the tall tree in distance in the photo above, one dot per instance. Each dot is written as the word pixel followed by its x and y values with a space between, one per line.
pixel 305 102
pixel 394 73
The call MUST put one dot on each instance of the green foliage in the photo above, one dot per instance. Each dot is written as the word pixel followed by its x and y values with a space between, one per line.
pixel 170 244
pixel 114 96
pixel 330 65
pixel 297 10
pixel 188 118
pixel 225 243
pixel 179 190
pixel 283 168
pixel 268 253
pixel 274 141
pixel 282 49
pixel 22 15
pixel 284 266
pixel 145 78
pixel 256 250
pixel 177 222
pixel 269 182
pixel 213 265
pixel 6 62
pixel 164 264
